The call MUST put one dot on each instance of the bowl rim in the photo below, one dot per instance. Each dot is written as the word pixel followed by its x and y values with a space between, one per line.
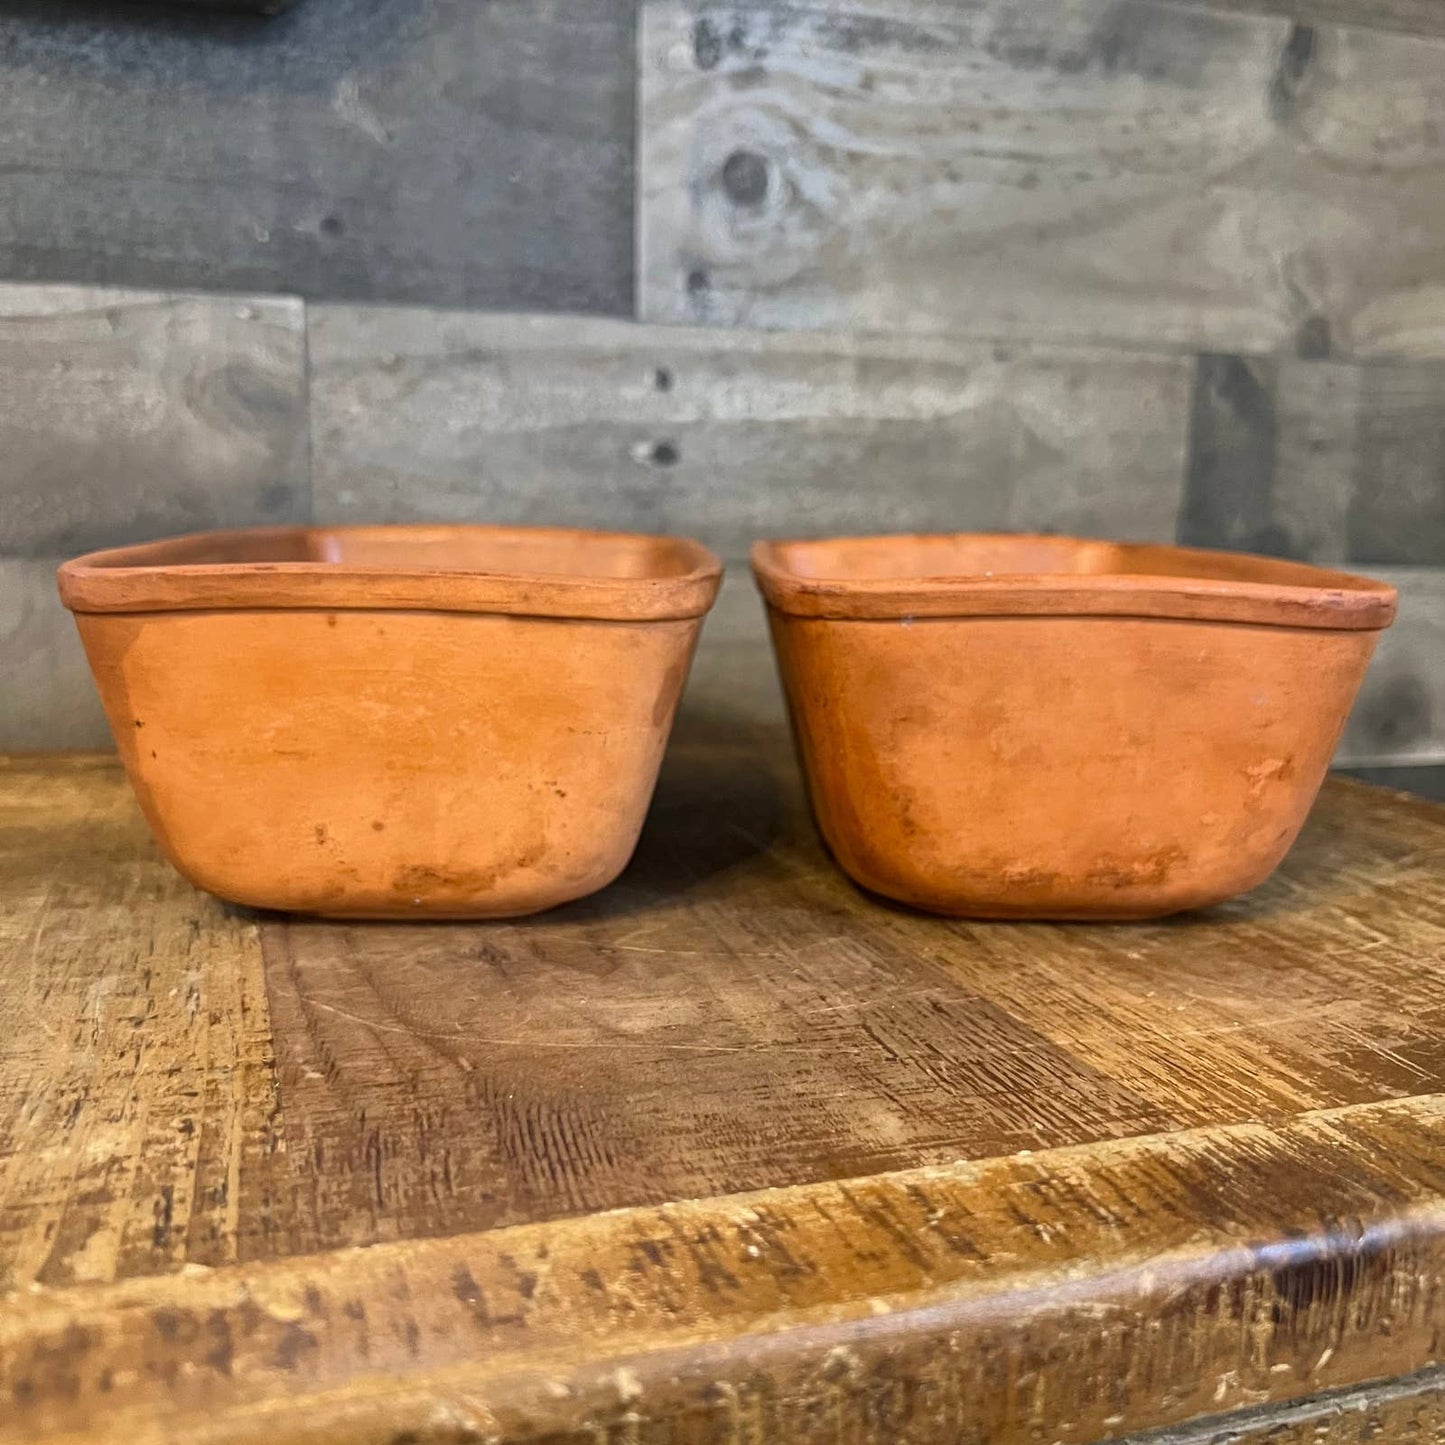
pixel 138 578
pixel 1279 592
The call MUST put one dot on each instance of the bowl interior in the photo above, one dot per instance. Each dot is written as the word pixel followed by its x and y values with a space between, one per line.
pixel 979 556
pixel 518 551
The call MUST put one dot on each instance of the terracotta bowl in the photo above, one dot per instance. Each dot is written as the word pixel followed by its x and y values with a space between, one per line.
pixel 394 722
pixel 1045 727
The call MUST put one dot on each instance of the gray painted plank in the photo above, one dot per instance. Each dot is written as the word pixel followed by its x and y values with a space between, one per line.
pixel 1099 170
pixel 1400 716
pixel 731 435
pixel 127 415
pixel 47 700
pixel 447 151
pixel 1319 460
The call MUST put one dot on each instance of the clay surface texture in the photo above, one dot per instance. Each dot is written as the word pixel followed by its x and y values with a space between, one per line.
pixel 394 722
pixel 1045 727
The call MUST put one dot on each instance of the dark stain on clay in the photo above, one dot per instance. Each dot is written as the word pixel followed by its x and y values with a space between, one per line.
pixel 1153 868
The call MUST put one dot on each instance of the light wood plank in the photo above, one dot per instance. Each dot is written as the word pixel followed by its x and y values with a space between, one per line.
pixel 1400 715
pixel 130 414
pixel 135 1074
pixel 734 436
pixel 1138 173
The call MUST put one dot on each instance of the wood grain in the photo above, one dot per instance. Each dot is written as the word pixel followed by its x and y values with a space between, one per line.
pixel 1081 1181
pixel 1400 716
pixel 1413 17
pixel 1078 1293
pixel 130 414
pixel 437 151
pixel 1318 460
pixel 47 699
pixel 732 1014
pixel 135 1075
pixel 734 436
pixel 728 1153
pixel 1112 170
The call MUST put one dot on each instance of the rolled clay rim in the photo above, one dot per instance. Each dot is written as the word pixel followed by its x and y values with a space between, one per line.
pixel 1265 590
pixel 156 577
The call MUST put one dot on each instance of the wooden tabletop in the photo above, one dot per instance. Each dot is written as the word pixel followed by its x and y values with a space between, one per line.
pixel 727 1153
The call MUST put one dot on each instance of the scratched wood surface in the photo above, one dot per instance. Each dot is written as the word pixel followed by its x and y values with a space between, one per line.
pixel 1133 172
pixel 728 1153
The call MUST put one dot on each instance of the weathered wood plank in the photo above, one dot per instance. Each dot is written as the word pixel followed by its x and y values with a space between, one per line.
pixel 1015 1180
pixel 434 151
pixel 1413 17
pixel 1400 716
pixel 1078 1294
pixel 1103 170
pixel 732 1014
pixel 47 699
pixel 128 415
pixel 734 436
pixel 1318 460
pixel 136 1089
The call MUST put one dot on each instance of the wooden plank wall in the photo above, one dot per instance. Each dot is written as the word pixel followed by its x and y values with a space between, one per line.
pixel 1118 267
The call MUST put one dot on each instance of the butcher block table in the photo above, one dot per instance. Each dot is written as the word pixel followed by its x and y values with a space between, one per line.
pixel 729 1154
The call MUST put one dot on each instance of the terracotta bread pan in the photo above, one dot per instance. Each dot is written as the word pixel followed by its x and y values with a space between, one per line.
pixel 394 722
pixel 1047 727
